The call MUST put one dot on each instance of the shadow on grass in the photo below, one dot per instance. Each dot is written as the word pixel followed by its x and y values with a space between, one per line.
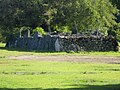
pixel 42 51
pixel 49 51
pixel 26 50
pixel 75 87
pixel 2 48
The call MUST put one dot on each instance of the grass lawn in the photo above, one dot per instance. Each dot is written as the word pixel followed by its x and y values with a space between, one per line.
pixel 46 75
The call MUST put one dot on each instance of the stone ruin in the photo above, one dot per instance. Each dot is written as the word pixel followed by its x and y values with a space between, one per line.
pixel 74 42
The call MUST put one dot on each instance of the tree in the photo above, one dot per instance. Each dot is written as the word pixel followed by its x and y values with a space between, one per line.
pixel 15 13
pixel 83 15
pixel 116 3
pixel 18 13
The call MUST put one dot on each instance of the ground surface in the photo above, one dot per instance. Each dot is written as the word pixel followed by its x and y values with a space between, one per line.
pixel 31 70
pixel 71 58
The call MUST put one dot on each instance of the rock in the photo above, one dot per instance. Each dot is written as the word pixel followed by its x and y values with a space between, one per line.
pixel 57 45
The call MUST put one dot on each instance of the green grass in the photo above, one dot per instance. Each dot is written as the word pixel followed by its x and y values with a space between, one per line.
pixel 13 52
pixel 35 75
pixel 62 75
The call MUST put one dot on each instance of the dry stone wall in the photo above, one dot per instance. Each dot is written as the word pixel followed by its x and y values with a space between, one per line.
pixel 64 43
pixel 91 43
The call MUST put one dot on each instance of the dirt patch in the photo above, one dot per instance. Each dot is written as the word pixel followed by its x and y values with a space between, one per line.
pixel 70 58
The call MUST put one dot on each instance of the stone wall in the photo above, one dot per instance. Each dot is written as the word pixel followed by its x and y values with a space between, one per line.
pixel 46 43
pixel 88 43
pixel 65 43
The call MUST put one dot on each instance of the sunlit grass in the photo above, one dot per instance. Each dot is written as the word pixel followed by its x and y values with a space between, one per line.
pixel 49 75
pixel 29 74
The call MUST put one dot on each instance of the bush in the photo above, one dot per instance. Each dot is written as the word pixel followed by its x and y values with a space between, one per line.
pixel 63 29
pixel 40 30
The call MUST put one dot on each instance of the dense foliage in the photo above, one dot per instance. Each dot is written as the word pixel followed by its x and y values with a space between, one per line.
pixel 76 15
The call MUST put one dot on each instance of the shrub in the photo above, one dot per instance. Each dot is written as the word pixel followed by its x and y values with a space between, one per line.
pixel 63 29
pixel 40 30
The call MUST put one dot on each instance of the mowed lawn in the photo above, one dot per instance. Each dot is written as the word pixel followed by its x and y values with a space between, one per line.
pixel 48 75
